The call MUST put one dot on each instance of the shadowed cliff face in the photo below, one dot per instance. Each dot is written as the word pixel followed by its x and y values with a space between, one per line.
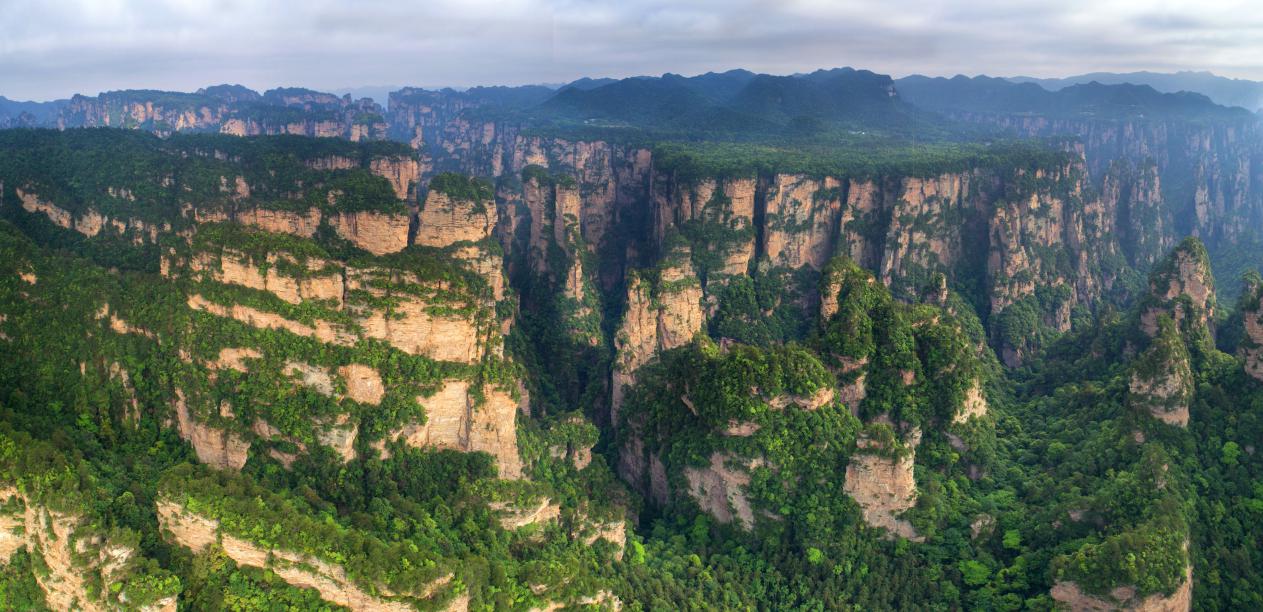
pixel 1204 175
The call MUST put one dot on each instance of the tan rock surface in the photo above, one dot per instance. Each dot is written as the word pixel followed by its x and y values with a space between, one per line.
pixel 1069 595
pixel 720 489
pixel 454 420
pixel 513 517
pixel 975 405
pixel 214 447
pixel 199 533
pixel 377 233
pixel 363 383
pixel 281 221
pixel 444 221
pixel 884 487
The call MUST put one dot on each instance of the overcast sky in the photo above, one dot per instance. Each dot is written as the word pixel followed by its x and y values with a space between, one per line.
pixel 54 48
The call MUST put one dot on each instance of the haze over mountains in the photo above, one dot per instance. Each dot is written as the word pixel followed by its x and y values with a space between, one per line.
pixel 1223 90
pixel 733 101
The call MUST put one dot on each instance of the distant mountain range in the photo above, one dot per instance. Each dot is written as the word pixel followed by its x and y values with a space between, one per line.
pixel 1223 90
pixel 737 104
pixel 1093 99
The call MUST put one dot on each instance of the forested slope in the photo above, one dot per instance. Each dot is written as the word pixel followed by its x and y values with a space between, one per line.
pixel 250 372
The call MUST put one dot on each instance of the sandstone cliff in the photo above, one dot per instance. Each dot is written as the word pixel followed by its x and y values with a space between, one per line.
pixel 1251 347
pixel 1072 597
pixel 467 419
pixel 199 533
pixel 1162 377
pixel 661 314
pixel 1182 287
pixel 879 478
pixel 80 563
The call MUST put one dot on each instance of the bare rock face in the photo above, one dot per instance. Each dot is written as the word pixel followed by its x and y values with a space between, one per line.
pixel 414 326
pixel 235 358
pixel 33 204
pixel 321 281
pixel 1124 598
pixel 80 563
pixel 513 517
pixel 215 447
pixel 339 435
pixel 444 221
pixel 314 377
pixel 1183 287
pixel 614 532
pixel 917 238
pixel 974 406
pixel 456 420
pixel 363 383
pixel 1251 349
pixel 91 222
pixel 377 233
pixel 198 533
pixel 822 397
pixel 720 489
pixel 12 531
pixel 727 203
pixel 881 481
pixel 278 221
pixel 323 330
pixel 402 172
pixel 1162 378
pixel 802 219
pixel 420 322
pixel 651 325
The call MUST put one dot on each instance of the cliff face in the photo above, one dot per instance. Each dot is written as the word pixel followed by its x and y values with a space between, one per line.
pixel 1182 287
pixel 199 533
pixel 461 418
pixel 444 221
pixel 880 480
pixel 1251 348
pixel 438 305
pixel 164 113
pixel 91 223
pixel 1162 378
pixel 81 564
pixel 1124 598
pixel 661 314
pixel 407 312
pixel 1208 183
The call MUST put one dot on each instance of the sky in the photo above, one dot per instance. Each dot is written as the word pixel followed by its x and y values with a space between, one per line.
pixel 54 48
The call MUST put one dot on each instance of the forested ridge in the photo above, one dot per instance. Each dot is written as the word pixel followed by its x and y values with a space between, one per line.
pixel 756 359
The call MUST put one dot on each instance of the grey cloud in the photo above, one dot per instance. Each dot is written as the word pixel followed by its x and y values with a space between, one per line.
pixel 53 49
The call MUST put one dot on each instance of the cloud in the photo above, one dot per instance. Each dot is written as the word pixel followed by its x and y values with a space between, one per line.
pixel 54 49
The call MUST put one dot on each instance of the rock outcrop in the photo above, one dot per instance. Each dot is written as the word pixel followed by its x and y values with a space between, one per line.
pixel 83 568
pixel 1251 347
pixel 880 479
pixel 444 220
pixel 217 447
pixel 974 406
pixel 719 489
pixel 375 232
pixel 91 223
pixel 1072 597
pixel 457 419
pixel 661 314
pixel 1183 287
pixel 1162 377
pixel 199 533
pixel 513 516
